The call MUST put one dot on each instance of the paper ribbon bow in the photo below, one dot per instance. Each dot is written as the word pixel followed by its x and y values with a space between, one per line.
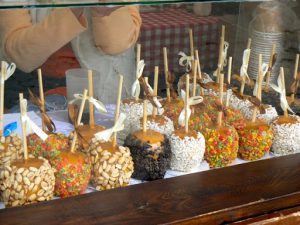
pixel 155 100
pixel 10 69
pixel 223 61
pixel 9 128
pixel 30 125
pixel 105 135
pixel 48 122
pixel 149 93
pixel 191 101
pixel 136 88
pixel 243 71
pixel 185 61
pixel 224 55
pixel 99 105
pixel 169 84
pixel 73 115
pixel 281 90
pixel 265 68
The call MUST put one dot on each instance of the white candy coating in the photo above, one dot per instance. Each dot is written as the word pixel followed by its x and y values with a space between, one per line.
pixel 167 128
pixel 133 111
pixel 187 153
pixel 268 117
pixel 286 138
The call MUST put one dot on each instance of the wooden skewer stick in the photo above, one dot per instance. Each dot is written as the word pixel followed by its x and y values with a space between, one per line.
pixel 270 65
pixel 186 102
pixel 199 70
pixel 166 70
pixel 244 80
pixel 286 114
pixel 221 89
pixel 295 73
pixel 145 116
pixel 195 77
pixel 155 88
pixel 41 90
pixel 23 124
pixel 3 75
pixel 191 46
pixel 117 112
pixel 221 48
pixel 259 84
pixel 138 53
pixel 228 80
pixel 79 119
pixel 91 95
pixel 249 43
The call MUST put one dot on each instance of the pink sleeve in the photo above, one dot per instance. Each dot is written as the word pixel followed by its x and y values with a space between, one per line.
pixel 117 32
pixel 30 45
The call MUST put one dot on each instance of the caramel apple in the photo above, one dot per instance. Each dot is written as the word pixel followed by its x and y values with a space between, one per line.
pixel 27 181
pixel 151 153
pixel 112 166
pixel 222 145
pixel 286 135
pixel 255 140
pixel 10 149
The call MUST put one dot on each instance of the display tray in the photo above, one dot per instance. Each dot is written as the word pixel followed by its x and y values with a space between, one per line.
pixel 212 197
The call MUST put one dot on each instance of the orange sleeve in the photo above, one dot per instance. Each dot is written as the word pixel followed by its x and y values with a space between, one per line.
pixel 117 32
pixel 30 45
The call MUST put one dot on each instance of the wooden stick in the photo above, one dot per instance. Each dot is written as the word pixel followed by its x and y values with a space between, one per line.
pixel 283 84
pixel 3 75
pixel 221 48
pixel 259 84
pixel 91 95
pixel 220 63
pixel 138 53
pixel 249 43
pixel 221 89
pixel 195 78
pixel 270 65
pixel 228 80
pixel 243 81
pixel 23 124
pixel 117 112
pixel 155 88
pixel 191 41
pixel 192 46
pixel 145 116
pixel 295 73
pixel 187 90
pixel 79 119
pixel 199 70
pixel 166 70
pixel 199 64
pixel 41 90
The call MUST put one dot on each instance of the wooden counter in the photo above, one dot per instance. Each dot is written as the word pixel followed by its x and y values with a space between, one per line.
pixel 212 197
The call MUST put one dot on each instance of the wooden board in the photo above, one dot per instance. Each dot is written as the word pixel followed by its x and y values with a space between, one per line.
pixel 212 197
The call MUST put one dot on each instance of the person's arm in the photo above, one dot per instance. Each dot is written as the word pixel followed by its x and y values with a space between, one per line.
pixel 29 45
pixel 117 32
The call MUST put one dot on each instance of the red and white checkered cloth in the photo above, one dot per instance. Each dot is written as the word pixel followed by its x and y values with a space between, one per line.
pixel 170 28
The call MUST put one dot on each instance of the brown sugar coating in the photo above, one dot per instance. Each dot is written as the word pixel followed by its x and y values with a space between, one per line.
pixel 150 136
pixel 285 120
pixel 258 123
pixel 31 162
pixel 182 134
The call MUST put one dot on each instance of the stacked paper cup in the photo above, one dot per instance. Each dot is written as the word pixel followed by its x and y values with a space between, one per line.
pixel 262 43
